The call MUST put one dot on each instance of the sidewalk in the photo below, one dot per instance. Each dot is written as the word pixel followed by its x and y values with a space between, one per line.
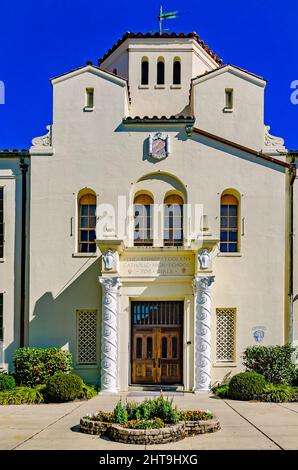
pixel 245 425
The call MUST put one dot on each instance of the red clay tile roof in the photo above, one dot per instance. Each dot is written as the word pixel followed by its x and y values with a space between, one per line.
pixel 193 35
pixel 14 153
pixel 176 119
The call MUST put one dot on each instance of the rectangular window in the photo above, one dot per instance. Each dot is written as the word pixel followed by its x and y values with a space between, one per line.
pixel 1 318
pixel 87 230
pixel 173 224
pixel 90 97
pixel 225 334
pixel 229 98
pixel 1 223
pixel 229 228
pixel 86 337
pixel 143 224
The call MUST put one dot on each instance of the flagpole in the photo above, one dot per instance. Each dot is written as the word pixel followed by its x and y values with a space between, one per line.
pixel 160 20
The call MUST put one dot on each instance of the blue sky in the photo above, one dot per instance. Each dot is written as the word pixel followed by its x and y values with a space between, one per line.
pixel 43 38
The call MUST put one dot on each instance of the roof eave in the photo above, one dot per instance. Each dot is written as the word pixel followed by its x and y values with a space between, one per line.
pixel 234 68
pixel 88 68
pixel 242 148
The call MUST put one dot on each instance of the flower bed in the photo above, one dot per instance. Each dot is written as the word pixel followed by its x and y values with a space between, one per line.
pixel 149 422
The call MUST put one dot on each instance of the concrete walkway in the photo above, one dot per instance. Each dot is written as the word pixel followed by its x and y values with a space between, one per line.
pixel 245 425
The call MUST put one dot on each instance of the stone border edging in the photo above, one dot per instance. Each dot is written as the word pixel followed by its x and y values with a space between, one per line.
pixel 192 428
pixel 164 435
pixel 171 433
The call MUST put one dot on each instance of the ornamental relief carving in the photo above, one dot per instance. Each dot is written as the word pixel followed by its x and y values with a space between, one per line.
pixel 273 143
pixel 109 360
pixel 109 259
pixel 202 289
pixel 44 140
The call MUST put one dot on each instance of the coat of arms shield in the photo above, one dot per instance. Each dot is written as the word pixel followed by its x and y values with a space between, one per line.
pixel 158 146
pixel 259 335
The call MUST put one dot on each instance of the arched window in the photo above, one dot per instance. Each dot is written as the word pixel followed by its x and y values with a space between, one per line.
pixel 87 223
pixel 176 71
pixel 160 71
pixel 145 71
pixel 143 220
pixel 229 224
pixel 173 220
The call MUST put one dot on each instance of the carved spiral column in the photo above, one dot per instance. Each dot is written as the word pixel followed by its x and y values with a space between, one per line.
pixel 109 334
pixel 202 289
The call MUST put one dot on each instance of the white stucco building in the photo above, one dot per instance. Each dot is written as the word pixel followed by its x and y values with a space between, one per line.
pixel 149 231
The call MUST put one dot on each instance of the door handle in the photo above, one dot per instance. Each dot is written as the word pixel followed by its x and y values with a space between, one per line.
pixel 158 365
pixel 154 363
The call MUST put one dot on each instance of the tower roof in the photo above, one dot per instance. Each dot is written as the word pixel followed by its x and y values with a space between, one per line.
pixel 192 35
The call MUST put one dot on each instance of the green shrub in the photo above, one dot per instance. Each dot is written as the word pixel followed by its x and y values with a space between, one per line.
pixel 7 382
pixel 120 413
pixel 166 411
pixel 155 423
pixel 63 387
pixel 276 393
pixel 294 396
pixel 131 408
pixel 153 408
pixel 273 362
pixel 88 392
pixel 21 395
pixel 221 391
pixel 35 366
pixel 246 386
pixel 145 410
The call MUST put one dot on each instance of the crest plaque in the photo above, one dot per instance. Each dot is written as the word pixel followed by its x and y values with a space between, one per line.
pixel 159 146
pixel 259 333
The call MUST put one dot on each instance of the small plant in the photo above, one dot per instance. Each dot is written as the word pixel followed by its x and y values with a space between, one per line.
pixel 273 362
pixel 195 415
pixel 63 387
pixel 88 392
pixel 7 382
pixel 120 413
pixel 221 391
pixel 35 366
pixel 246 386
pixel 155 423
pixel 276 393
pixel 131 408
pixel 166 411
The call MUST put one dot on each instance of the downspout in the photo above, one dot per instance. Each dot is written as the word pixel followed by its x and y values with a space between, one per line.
pixel 291 235
pixel 24 168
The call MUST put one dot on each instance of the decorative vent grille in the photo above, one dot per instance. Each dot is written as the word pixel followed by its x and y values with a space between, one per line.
pixel 87 336
pixel 225 334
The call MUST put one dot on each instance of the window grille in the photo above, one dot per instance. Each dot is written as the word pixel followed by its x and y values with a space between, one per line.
pixel 1 222
pixel 225 334
pixel 87 336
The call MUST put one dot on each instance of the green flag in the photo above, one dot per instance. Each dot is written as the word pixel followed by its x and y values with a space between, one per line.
pixel 168 16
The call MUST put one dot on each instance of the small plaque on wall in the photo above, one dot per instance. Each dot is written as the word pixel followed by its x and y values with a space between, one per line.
pixel 258 333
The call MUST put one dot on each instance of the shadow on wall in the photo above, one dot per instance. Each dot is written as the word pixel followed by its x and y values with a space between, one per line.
pixel 54 321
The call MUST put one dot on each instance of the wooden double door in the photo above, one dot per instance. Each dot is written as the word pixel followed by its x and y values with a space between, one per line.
pixel 157 343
